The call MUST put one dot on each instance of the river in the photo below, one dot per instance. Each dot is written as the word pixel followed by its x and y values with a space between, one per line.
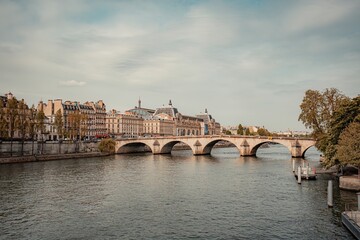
pixel 178 196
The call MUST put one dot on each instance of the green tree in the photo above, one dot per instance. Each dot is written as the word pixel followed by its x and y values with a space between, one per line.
pixel 348 148
pixel 107 145
pixel 240 130
pixel 247 132
pixel 263 132
pixel 348 112
pixel 317 110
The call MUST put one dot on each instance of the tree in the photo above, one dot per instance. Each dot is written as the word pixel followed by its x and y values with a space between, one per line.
pixel 348 148
pixel 22 122
pixel 11 115
pixel 59 123
pixel 240 130
pixel 263 132
pixel 32 126
pixel 247 132
pixel 347 113
pixel 40 127
pixel 4 133
pixel 77 124
pixel 40 122
pixel 317 110
pixel 107 145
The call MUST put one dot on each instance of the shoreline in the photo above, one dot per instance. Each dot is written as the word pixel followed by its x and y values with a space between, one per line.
pixel 50 157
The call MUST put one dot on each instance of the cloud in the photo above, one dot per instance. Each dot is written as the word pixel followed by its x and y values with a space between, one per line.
pixel 310 15
pixel 72 83
pixel 223 55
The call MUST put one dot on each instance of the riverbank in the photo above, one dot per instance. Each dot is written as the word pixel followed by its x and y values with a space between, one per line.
pixel 50 157
pixel 351 183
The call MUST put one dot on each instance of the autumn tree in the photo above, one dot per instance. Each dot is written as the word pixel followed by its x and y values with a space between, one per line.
pixel 32 125
pixel 59 123
pixel 11 115
pixel 40 122
pixel 77 124
pixel 4 132
pixel 107 145
pixel 22 122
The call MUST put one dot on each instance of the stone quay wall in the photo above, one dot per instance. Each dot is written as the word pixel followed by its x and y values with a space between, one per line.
pixel 46 148
pixel 349 183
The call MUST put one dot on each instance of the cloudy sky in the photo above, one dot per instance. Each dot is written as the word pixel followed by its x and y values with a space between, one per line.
pixel 247 62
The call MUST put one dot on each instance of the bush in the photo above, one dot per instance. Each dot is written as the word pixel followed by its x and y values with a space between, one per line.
pixel 107 145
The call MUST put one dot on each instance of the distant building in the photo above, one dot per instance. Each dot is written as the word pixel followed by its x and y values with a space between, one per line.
pixel 8 125
pixel 92 124
pixel 164 121
pixel 123 125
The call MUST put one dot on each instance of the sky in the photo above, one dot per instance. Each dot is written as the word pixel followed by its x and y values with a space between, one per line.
pixel 247 62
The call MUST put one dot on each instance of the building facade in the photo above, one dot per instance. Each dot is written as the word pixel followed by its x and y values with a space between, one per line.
pixel 79 120
pixel 124 124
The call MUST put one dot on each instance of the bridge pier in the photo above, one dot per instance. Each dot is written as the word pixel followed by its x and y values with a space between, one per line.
pixel 296 150
pixel 245 149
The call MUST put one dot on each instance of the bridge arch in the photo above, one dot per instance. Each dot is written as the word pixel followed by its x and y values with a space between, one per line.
pixel 307 148
pixel 255 148
pixel 134 147
pixel 209 146
pixel 166 149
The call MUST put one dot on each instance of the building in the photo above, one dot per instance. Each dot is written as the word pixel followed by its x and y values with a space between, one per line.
pixel 164 121
pixel 210 126
pixel 79 120
pixel 124 124
pixel 15 119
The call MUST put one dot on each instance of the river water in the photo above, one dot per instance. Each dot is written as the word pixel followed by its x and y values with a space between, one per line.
pixel 178 196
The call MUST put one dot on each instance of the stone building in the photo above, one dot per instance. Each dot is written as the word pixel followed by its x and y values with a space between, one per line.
pixel 15 125
pixel 123 124
pixel 164 121
pixel 209 126
pixel 92 118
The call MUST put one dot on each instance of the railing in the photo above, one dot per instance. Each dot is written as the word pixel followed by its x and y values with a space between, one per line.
pixel 352 211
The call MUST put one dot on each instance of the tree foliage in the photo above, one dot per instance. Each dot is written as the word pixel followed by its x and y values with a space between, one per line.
pixel 240 130
pixel 59 123
pixel 107 145
pixel 328 114
pixel 77 125
pixel 317 110
pixel 263 132
pixel 40 122
pixel 348 148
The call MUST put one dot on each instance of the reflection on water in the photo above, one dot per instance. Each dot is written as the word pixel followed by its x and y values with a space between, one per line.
pixel 177 196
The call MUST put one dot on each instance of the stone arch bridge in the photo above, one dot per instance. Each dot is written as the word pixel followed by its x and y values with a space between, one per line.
pixel 202 145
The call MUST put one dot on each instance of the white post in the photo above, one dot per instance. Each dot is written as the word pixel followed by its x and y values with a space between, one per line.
pixel 299 175
pixel 330 194
pixel 293 165
pixel 307 171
